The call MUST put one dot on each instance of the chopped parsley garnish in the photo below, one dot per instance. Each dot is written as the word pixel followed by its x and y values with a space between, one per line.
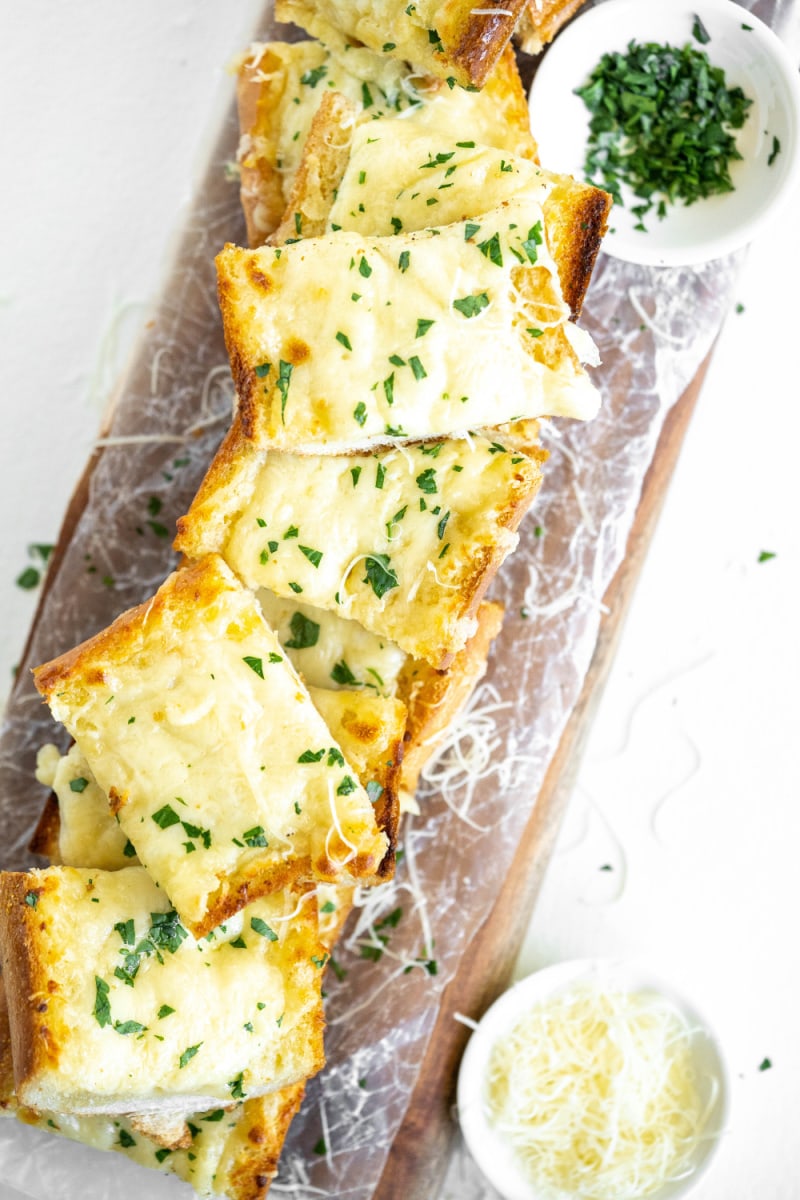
pixel 188 1055
pixel 284 379
pixel 533 241
pixel 313 556
pixel 776 149
pixel 388 388
pixel 255 837
pixel 166 1010
pixel 163 1153
pixel 380 475
pixel 661 124
pixel 440 528
pixel 374 791
pixel 766 555
pixel 129 850
pixel 328 907
pixel 491 249
pixel 127 931
pixel 364 268
pixel 102 1004
pixel 31 899
pixel 275 658
pixel 126 1027
pixel 320 1147
pixel 366 96
pixel 765 1064
pixel 360 414
pixel 347 786
pixel 426 481
pixel 417 367
pixel 312 77
pixel 78 785
pixel 312 756
pixel 404 261
pixel 291 532
pixel 255 664
pixel 125 1139
pixel 342 674
pixel 235 1085
pixel 355 473
pixel 343 340
pixel 379 574
pixel 166 817
pixel 397 224
pixel 295 586
pixel 470 306
pixel 238 943
pixel 699 32
pixel 165 932
pixel 305 632
pixel 423 326
pixel 319 960
pixel 216 1115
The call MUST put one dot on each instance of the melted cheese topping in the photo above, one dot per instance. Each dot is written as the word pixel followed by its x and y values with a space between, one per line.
pixel 211 749
pixel 418 33
pixel 597 1094
pixel 326 332
pixel 238 1000
pixel 197 1165
pixel 437 173
pixel 88 834
pixel 384 538
pixel 330 651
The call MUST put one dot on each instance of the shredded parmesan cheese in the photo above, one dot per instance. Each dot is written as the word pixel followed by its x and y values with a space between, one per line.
pixel 597 1093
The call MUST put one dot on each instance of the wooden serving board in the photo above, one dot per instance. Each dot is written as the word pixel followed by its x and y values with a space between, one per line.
pixel 418 1159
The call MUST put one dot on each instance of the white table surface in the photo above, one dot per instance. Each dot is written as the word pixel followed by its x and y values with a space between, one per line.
pixel 690 789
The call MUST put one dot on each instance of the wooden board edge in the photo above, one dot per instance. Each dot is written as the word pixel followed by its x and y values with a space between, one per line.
pixel 418 1159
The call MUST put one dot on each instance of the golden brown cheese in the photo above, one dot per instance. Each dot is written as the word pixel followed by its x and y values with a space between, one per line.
pixel 404 541
pixel 221 772
pixel 326 343
pixel 114 1007
pixel 455 40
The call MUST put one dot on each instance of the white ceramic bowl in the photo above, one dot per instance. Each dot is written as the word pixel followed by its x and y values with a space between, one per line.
pixel 753 59
pixel 490 1149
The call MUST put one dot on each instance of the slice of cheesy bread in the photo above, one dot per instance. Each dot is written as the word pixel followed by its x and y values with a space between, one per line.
pixel 541 21
pixel 454 40
pixel 405 541
pixel 344 342
pixel 78 828
pixel 219 768
pixel 114 1007
pixel 436 171
pixel 281 87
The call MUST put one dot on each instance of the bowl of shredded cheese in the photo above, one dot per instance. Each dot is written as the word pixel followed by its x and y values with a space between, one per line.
pixel 687 113
pixel 592 1080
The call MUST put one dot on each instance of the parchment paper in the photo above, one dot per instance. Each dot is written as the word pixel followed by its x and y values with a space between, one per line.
pixel 653 329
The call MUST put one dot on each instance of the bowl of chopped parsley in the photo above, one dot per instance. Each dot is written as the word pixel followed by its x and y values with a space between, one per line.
pixel 688 114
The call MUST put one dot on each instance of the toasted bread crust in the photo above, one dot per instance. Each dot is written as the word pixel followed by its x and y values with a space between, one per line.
pixel 433 698
pixel 320 172
pixel 482 38
pixel 250 1159
pixel 541 20
pixel 576 216
pixel 35 1031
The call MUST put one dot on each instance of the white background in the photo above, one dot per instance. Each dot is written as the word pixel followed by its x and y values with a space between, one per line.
pixel 690 789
